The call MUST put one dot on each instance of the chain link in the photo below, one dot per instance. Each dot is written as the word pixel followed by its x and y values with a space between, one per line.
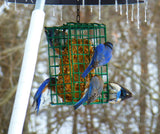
pixel 78 11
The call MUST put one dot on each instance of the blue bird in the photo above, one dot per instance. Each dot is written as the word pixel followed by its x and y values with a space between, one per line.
pixel 102 55
pixel 42 89
pixel 56 39
pixel 117 93
pixel 93 92
pixel 49 33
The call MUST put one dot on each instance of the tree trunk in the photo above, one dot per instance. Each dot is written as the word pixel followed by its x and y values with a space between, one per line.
pixel 144 76
pixel 74 131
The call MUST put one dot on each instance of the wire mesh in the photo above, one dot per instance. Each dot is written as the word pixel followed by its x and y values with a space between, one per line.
pixel 70 49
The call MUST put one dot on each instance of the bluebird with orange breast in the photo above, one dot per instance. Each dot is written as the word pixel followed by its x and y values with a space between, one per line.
pixel 42 89
pixel 56 39
pixel 93 92
pixel 102 55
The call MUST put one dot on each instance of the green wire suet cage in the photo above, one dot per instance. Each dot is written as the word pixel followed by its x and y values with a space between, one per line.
pixel 70 49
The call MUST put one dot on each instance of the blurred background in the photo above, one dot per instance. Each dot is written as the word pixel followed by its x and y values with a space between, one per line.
pixel 135 65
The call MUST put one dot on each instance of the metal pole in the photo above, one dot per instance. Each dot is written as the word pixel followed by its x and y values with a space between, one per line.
pixel 27 69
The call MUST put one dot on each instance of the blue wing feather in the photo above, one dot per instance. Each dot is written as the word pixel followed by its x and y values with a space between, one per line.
pixel 90 91
pixel 102 56
pixel 81 101
pixel 41 88
pixel 118 95
pixel 89 68
pixel 37 96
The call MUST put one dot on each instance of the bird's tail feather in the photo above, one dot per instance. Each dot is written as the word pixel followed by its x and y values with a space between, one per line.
pixel 37 96
pixel 81 101
pixel 38 101
pixel 88 69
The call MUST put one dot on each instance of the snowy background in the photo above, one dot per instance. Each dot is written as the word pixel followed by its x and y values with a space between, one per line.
pixel 134 31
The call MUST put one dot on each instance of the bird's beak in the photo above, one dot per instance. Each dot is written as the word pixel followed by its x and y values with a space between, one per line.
pixel 128 94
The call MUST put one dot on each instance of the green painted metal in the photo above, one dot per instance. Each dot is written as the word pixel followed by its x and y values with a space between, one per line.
pixel 71 47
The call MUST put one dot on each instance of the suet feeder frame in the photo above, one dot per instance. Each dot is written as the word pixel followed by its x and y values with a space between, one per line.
pixel 72 48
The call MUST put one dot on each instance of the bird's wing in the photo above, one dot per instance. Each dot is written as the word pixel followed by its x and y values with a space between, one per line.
pixel 90 90
pixel 115 86
pixel 93 60
pixel 103 57
pixel 118 95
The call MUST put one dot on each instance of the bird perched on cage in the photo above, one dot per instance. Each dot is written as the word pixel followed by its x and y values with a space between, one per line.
pixel 93 92
pixel 117 93
pixel 42 89
pixel 102 55
pixel 56 39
